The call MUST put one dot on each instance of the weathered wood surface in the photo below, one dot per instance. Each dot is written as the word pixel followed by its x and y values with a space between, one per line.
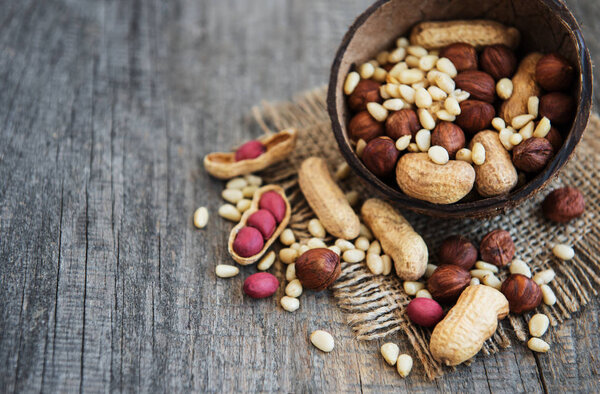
pixel 107 108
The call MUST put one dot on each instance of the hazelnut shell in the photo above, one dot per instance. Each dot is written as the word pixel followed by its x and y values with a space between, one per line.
pixel 564 204
pixel 457 250
pixel 366 91
pixel 479 84
pixel 318 268
pixel 553 72
pixel 558 107
pixel 475 116
pixel 533 154
pixel 363 126
pixel 522 293
pixel 449 136
pixel 463 56
pixel 447 282
pixel 498 60
pixel 380 156
pixel 401 123
pixel 497 248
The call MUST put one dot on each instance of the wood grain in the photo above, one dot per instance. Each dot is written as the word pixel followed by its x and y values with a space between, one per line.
pixel 106 111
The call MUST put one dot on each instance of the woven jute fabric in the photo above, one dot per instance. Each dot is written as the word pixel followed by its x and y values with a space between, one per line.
pixel 375 304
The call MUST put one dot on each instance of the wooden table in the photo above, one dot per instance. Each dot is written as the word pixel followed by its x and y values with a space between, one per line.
pixel 106 110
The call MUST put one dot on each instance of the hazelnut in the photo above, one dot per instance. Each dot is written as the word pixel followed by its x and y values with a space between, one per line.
pixel 497 248
pixel 498 60
pixel 554 138
pixel 447 282
pixel 250 150
pixel 457 250
pixel 401 123
pixel 479 84
pixel 553 72
pixel 463 56
pixel 563 204
pixel 363 126
pixel 558 107
pixel 522 293
pixel 475 116
pixel 367 91
pixel 380 156
pixel 532 155
pixel 318 268
pixel 449 136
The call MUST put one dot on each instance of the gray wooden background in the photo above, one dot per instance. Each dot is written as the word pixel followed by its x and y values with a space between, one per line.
pixel 106 110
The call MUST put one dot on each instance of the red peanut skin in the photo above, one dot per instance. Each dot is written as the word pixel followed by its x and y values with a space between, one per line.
pixel 261 285
pixel 263 221
pixel 424 312
pixel 273 202
pixel 250 150
pixel 248 242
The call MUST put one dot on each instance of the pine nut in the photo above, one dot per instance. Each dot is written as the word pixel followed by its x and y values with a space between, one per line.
pixel 533 104
pixel 382 57
pixel 411 76
pixel 451 105
pixel 548 295
pixel 464 154
pixel 527 131
pixel 226 271
pixel 365 232
pixel 544 277
pixel 519 267
pixel 366 70
pixel 249 191
pixel 423 98
pixel 480 274
pixel 383 92
pixel 352 79
pixel 229 212
pixel 293 289
pixel 498 123
pixel 322 340
pixel 387 264
pixel 344 245
pixel 201 217
pixel 411 287
pixel 504 136
pixel 397 69
pixel 504 88
pixel 412 62
pixel 521 120
pixel 417 50
pixel 393 90
pixel 380 74
pixel 563 252
pixel 390 352
pixel 374 247
pixel 430 76
pixel 474 281
pixel 461 95
pixel 438 154
pixel 360 147
pixel 515 139
pixel 404 365
pixel 492 281
pixel 335 249
pixel 375 263
pixel 232 195
pixel 377 111
pixel 402 42
pixel 353 256
pixel 413 148
pixel 403 142
pixel 290 272
pixel 538 345
pixel 267 261
pixel 429 270
pixel 423 293
pixel 407 93
pixel 288 255
pixel 314 243
pixel 287 237
pixel 295 246
pixel 425 118
pixel 236 183
pixel 253 179
pixel 478 154
pixel 397 55
pixel 342 171
pixel 289 304
pixel 316 229
pixel 486 266
pixel 427 62
pixel 362 243
pixel 543 128
pixel 303 249
pixel 446 66
pixel 395 104
pixel 374 62
pixel 243 205
pixel 538 324
pixel 423 139
pixel 444 82
pixel 352 197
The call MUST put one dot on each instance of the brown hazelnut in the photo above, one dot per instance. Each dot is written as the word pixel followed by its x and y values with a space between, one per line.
pixel 563 204
pixel 475 116
pixel 447 282
pixel 449 136
pixel 554 138
pixel 522 293
pixel 498 60
pixel 532 155
pixel 400 123
pixel 497 248
pixel 366 91
pixel 457 250
pixel 463 56
pixel 318 268
pixel 363 126
pixel 558 107
pixel 479 84
pixel 553 72
pixel 380 156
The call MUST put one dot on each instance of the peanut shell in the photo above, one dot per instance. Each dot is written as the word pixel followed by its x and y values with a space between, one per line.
pixel 497 175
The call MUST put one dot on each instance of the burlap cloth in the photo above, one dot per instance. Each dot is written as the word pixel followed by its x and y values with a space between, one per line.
pixel 375 304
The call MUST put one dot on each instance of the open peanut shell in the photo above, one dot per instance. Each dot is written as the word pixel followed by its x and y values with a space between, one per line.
pixel 253 208
pixel 222 165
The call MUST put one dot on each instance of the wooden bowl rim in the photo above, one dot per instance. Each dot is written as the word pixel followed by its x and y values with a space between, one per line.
pixel 488 206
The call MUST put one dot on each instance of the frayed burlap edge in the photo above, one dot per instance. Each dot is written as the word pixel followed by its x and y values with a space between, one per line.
pixel 375 305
